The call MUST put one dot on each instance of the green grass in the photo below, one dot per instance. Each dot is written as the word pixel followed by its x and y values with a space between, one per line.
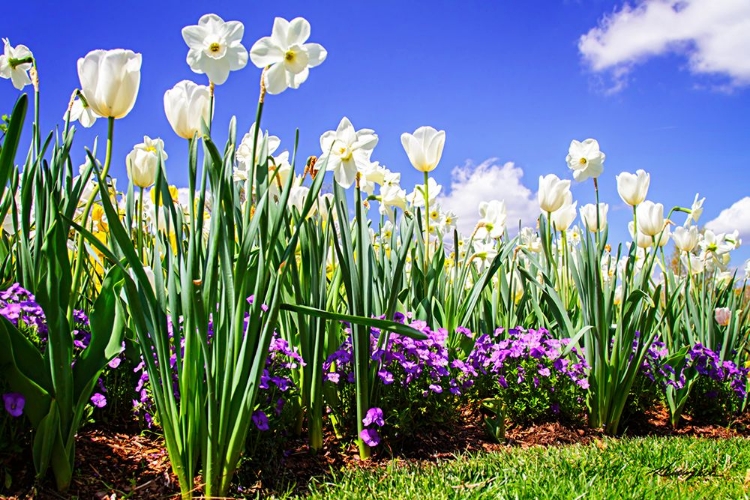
pixel 651 468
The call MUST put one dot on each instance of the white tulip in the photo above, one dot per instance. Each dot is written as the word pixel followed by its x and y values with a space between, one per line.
pixel 110 80
pixel 143 161
pixel 633 188
pixel 286 54
pixel 424 147
pixel 650 218
pixel 552 192
pixel 589 218
pixel 641 240
pixel 564 216
pixel 685 239
pixel 186 105
pixel 9 68
pixel 585 159
pixel 215 47
pixel 347 151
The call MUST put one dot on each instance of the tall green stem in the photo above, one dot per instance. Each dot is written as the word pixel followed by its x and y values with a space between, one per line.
pixel 74 292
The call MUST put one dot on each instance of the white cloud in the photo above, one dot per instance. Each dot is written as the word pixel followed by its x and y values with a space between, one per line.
pixel 735 217
pixel 490 180
pixel 714 35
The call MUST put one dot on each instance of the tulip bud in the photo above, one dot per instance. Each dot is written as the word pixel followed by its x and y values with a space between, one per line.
pixel 633 188
pixel 187 105
pixel 424 148
pixel 650 218
pixel 110 80
pixel 685 239
pixel 641 240
pixel 723 315
pixel 564 216
pixel 589 218
pixel 143 161
pixel 552 192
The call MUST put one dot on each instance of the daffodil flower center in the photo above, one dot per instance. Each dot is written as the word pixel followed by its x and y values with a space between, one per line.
pixel 289 56
pixel 214 47
pixel 345 153
pixel 583 161
pixel 151 149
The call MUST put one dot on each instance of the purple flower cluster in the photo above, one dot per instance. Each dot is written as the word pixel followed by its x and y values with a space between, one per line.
pixel 706 362
pixel 400 360
pixel 19 306
pixel 499 357
pixel 369 435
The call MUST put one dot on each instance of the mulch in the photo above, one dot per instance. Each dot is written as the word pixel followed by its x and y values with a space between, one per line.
pixel 129 463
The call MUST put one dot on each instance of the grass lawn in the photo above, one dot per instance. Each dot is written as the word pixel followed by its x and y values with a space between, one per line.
pixel 644 468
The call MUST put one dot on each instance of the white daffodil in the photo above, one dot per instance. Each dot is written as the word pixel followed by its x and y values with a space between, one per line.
pixel 249 155
pixel 110 80
pixel 696 210
pixel 424 147
pixel 215 47
pixel 710 242
pixel 286 54
pixel 585 159
pixel 10 68
pixel 416 197
pixel 143 161
pixel 347 151
pixel 282 170
pixel 493 216
pixel 552 192
pixel 633 188
pixel 82 113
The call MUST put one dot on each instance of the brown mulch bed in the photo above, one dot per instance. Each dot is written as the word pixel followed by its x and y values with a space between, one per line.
pixel 125 463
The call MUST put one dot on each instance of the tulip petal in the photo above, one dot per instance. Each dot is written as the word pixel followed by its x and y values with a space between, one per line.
pixel 414 151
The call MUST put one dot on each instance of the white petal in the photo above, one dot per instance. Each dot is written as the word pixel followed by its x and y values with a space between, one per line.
pixel 295 80
pixel 194 36
pixel 217 70
pixel 299 31
pixel 265 53
pixel 316 54
pixel 19 78
pixel 276 82
pixel 237 57
pixel 279 33
pixel 232 31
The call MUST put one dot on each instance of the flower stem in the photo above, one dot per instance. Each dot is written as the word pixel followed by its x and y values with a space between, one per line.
pixel 74 294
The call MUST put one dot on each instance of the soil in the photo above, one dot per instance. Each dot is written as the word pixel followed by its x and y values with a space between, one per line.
pixel 129 463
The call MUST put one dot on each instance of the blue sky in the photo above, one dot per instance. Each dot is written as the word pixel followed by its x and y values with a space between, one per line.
pixel 662 87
